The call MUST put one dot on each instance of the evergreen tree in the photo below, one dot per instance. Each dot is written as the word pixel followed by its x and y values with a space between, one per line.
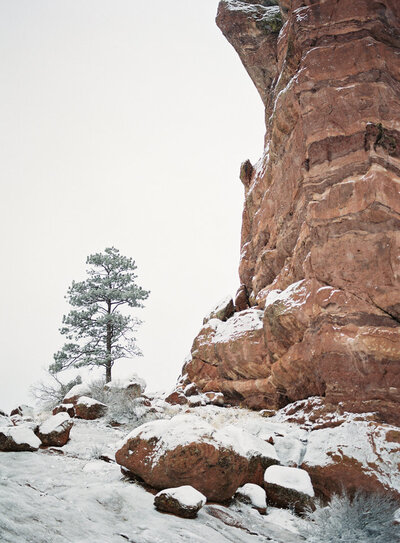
pixel 97 332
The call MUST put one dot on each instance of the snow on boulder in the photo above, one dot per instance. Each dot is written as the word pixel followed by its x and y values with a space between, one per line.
pixel 184 501
pixel 65 408
pixel 54 432
pixel 188 450
pixel 289 488
pixel 89 409
pixel 134 385
pixel 83 389
pixel 18 438
pixel 253 495
pixel 357 455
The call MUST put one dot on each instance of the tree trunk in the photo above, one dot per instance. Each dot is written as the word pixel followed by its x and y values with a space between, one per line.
pixel 108 346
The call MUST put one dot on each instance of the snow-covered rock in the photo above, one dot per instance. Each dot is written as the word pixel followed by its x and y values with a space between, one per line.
pixel 83 389
pixel 358 454
pixel 134 385
pixel 18 438
pixel 54 432
pixel 187 449
pixel 183 501
pixel 253 495
pixel 288 487
pixel 89 409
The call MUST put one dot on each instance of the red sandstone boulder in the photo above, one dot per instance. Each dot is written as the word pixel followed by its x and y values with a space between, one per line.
pixel 54 432
pixel 16 439
pixel 89 409
pixel 177 397
pixel 65 408
pixel 184 501
pixel 357 455
pixel 289 488
pixel 186 450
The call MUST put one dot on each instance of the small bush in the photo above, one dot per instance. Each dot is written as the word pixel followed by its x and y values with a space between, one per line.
pixel 122 408
pixel 365 518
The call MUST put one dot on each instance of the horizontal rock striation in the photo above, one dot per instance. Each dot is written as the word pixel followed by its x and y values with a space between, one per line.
pixel 320 251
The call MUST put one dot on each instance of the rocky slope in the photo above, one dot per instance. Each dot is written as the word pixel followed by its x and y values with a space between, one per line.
pixel 318 310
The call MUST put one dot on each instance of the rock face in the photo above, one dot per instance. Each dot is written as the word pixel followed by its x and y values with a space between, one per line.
pixel 320 266
pixel 189 451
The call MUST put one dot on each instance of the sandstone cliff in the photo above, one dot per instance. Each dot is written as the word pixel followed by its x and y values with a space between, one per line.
pixel 318 310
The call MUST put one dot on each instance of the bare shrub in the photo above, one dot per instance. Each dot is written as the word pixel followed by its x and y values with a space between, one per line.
pixel 365 518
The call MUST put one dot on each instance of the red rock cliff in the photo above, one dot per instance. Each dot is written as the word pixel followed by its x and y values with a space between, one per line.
pixel 318 312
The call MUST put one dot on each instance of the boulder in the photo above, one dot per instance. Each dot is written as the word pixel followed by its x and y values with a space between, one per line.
pixel 83 389
pixel 289 488
pixel 18 439
pixel 89 409
pixel 177 397
pixel 54 432
pixel 187 450
pixel 184 501
pixel 253 495
pixel 357 455
pixel 65 408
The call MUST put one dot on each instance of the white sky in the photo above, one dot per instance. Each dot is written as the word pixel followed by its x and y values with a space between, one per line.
pixel 121 123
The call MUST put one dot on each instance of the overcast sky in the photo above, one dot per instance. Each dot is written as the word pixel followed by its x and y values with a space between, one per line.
pixel 122 123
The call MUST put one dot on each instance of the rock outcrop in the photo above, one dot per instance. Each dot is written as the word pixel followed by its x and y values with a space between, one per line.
pixel 320 247
pixel 189 451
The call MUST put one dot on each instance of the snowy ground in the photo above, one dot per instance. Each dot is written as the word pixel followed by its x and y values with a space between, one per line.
pixel 48 497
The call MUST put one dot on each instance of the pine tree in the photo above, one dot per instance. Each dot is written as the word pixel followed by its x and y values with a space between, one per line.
pixel 97 332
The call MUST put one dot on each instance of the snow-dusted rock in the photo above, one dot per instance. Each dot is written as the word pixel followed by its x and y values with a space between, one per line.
pixel 134 385
pixel 222 311
pixel 188 450
pixel 89 408
pixel 358 454
pixel 18 438
pixel 254 495
pixel 83 389
pixel 65 408
pixel 54 432
pixel 288 487
pixel 184 501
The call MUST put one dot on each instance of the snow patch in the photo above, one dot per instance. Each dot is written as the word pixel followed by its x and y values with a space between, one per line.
pixel 88 402
pixel 22 435
pixel 78 390
pixel 238 325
